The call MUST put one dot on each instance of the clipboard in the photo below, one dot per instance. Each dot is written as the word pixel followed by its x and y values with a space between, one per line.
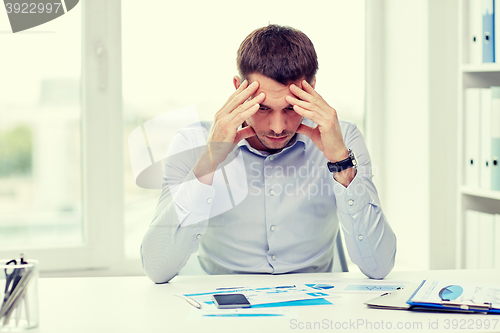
pixel 456 296
pixel 404 299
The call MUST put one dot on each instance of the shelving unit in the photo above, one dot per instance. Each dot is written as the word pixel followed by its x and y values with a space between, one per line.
pixel 470 76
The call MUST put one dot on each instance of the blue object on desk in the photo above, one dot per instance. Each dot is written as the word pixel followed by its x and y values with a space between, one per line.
pixel 243 315
pixel 304 302
pixel 451 292
pixel 363 287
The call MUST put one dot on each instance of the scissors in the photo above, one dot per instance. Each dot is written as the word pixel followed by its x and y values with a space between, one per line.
pixel 10 278
pixel 11 282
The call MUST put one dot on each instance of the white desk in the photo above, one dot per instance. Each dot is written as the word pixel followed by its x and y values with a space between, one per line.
pixel 135 304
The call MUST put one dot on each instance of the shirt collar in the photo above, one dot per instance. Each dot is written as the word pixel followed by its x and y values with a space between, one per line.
pixel 297 139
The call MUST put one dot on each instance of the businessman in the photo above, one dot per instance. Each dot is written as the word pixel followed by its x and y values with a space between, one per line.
pixel 265 187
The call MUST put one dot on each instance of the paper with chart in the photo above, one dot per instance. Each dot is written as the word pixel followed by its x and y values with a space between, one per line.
pixel 437 291
pixel 272 295
pixel 355 286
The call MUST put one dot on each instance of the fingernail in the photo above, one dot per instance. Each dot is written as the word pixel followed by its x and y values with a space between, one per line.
pixel 254 83
pixel 261 94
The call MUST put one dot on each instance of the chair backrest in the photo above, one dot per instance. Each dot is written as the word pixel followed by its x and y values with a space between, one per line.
pixel 339 260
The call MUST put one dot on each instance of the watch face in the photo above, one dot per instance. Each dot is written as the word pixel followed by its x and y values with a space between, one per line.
pixel 353 158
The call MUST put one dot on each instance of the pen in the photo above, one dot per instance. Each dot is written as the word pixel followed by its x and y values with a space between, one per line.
pixel 278 287
pixel 193 303
pixel 190 301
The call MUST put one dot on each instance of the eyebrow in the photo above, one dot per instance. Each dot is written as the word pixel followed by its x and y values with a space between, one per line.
pixel 288 106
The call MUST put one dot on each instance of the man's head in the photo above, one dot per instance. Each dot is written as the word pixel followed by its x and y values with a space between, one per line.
pixel 276 57
pixel 280 53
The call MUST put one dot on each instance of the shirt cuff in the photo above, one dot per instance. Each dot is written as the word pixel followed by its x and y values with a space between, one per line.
pixel 353 198
pixel 192 196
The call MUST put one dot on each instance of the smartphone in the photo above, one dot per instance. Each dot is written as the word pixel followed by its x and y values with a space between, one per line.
pixel 231 301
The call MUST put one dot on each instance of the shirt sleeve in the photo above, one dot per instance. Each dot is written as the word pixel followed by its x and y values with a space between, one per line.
pixel 370 241
pixel 181 216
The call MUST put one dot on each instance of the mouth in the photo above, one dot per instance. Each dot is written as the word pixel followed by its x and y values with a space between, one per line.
pixel 277 139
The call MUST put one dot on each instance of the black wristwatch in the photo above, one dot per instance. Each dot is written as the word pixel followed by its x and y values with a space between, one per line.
pixel 349 162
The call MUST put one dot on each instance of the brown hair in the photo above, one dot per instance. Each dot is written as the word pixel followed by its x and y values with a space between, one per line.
pixel 281 53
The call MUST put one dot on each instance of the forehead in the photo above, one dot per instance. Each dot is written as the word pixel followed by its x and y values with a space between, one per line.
pixel 275 91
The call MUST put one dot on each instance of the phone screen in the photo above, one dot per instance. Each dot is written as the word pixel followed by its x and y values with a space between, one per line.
pixel 228 301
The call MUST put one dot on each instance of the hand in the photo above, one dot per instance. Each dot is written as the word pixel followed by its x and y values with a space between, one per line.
pixel 224 133
pixel 327 136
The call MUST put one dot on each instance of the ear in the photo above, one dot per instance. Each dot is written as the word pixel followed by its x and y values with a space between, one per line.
pixel 313 82
pixel 236 81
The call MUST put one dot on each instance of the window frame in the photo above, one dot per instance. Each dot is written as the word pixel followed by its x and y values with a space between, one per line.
pixel 102 154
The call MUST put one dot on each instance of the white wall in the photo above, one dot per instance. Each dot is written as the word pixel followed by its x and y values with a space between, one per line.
pixel 404 62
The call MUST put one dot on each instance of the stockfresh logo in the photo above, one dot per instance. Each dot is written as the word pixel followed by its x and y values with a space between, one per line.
pixel 25 14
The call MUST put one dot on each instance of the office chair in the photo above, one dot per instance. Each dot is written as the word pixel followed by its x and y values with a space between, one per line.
pixel 339 260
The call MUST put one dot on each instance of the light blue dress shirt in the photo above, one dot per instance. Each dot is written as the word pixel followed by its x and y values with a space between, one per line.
pixel 266 213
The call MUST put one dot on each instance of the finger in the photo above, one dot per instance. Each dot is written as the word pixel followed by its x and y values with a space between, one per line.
pixel 314 116
pixel 244 133
pixel 309 89
pixel 242 97
pixel 238 91
pixel 306 130
pixel 306 105
pixel 242 116
pixel 300 93
pixel 307 93
pixel 247 105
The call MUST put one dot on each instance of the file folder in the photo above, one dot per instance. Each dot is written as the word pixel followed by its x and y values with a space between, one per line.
pixel 471 239
pixel 495 138
pixel 486 232
pixel 471 138
pixel 488 32
pixel 475 39
pixel 485 153
pixel 455 296
pixel 439 296
pixel 497 29
pixel 496 245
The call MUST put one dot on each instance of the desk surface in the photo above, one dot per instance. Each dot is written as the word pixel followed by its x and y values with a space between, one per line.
pixel 135 304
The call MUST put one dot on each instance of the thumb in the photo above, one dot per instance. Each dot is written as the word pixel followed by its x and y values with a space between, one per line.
pixel 244 133
pixel 306 130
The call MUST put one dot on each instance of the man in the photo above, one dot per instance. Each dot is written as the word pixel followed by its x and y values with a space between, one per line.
pixel 265 194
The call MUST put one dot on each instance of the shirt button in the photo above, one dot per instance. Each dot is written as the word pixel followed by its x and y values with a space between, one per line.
pixel 273 228
pixel 274 257
pixel 271 192
pixel 198 237
pixel 271 158
pixel 209 200
pixel 360 237
pixel 350 202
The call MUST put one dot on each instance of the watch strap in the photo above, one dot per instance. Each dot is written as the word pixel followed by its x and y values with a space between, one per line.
pixel 349 162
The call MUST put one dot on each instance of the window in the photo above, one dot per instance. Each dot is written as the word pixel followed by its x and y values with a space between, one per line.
pixel 40 119
pixel 67 193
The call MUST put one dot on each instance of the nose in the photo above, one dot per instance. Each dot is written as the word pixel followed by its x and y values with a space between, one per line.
pixel 277 122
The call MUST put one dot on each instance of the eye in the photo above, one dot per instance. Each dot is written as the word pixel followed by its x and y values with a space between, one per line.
pixel 263 109
pixel 290 108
